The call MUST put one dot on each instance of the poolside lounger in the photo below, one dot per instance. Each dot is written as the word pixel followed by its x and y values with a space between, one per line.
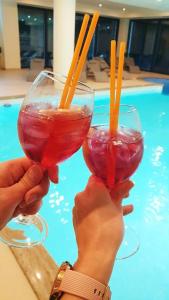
pixel 104 66
pixel 94 71
pixel 36 66
pixel 131 66
pixel 128 76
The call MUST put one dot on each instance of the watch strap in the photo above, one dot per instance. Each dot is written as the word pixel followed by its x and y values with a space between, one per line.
pixel 83 286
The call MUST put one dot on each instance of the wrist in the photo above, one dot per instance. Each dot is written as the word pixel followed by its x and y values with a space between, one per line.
pixel 97 265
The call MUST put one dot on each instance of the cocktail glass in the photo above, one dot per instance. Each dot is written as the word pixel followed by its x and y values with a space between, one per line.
pixel 48 135
pixel 115 158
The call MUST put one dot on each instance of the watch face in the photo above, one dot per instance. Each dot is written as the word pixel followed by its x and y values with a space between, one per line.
pixel 53 297
pixel 56 296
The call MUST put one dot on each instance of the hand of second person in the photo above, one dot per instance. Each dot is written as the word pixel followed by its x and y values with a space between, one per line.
pixel 99 228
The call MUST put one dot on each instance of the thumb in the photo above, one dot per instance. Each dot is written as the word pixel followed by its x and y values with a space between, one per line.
pixel 31 178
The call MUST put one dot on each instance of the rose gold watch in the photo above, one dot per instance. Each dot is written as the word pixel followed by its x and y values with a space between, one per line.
pixel 78 284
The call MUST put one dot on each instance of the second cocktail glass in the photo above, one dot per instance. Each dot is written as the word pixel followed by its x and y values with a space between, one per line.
pixel 115 158
pixel 48 135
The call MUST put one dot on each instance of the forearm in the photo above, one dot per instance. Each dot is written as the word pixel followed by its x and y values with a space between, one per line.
pixel 99 269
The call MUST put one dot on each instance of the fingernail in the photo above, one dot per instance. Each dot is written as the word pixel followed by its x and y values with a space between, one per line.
pixel 32 199
pixel 35 172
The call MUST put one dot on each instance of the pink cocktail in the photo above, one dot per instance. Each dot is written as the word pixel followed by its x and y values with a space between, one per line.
pixel 113 158
pixel 49 136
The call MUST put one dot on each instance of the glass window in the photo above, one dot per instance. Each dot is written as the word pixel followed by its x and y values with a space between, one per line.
pixel 36 34
pixel 161 57
pixel 49 54
pixel 107 30
pixel 148 43
pixel 31 29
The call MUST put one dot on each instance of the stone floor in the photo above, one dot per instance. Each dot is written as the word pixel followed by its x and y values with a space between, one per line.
pixel 14 84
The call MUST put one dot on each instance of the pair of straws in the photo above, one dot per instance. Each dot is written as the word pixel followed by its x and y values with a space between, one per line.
pixel 78 60
pixel 77 65
pixel 115 94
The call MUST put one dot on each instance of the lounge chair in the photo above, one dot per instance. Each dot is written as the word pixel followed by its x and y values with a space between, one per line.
pixel 103 64
pixel 36 66
pixel 94 71
pixel 131 66
pixel 128 76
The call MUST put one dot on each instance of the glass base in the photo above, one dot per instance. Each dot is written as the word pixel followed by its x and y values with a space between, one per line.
pixel 25 231
pixel 130 244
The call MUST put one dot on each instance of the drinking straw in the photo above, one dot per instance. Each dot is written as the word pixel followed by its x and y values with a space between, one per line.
pixel 112 83
pixel 82 59
pixel 74 60
pixel 119 85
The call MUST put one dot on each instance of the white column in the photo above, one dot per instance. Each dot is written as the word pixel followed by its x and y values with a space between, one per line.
pixel 63 34
pixel 123 33
pixel 1 39
pixel 9 34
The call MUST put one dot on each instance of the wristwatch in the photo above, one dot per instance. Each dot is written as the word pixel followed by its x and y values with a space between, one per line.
pixel 78 284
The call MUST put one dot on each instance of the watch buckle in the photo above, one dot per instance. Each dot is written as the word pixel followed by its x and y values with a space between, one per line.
pixel 107 294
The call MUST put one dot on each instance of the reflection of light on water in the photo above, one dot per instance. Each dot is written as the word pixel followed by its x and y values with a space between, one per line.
pixel 162 114
pixel 63 221
pixel 56 199
pixel 51 201
pixel 59 205
pixel 155 210
pixel 66 209
pixel 157 153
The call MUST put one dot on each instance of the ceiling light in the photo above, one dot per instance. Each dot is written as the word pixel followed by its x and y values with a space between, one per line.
pixel 100 4
pixel 159 0
pixel 35 19
pixel 124 9
pixel 50 19
pixel 29 17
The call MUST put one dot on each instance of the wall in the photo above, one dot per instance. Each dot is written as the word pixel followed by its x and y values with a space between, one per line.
pixel 10 34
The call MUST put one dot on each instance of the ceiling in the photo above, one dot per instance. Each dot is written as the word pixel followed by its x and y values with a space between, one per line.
pixel 161 5
pixel 133 8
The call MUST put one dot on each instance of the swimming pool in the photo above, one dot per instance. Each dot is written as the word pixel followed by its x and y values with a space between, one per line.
pixel 145 275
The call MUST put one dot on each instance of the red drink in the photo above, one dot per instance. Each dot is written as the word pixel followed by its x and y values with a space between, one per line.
pixel 113 159
pixel 50 136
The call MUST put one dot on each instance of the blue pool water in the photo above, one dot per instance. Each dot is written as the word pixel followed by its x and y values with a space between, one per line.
pixel 144 276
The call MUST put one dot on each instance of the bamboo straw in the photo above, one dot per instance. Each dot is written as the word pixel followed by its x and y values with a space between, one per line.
pixel 82 58
pixel 74 60
pixel 112 83
pixel 119 85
